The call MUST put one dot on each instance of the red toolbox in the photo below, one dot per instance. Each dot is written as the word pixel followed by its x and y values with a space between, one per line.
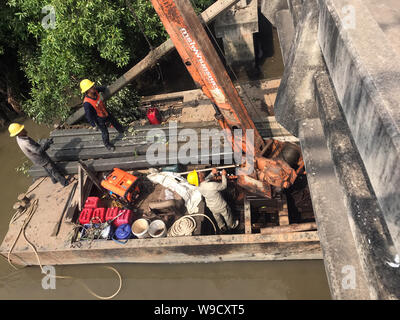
pixel 85 216
pixel 111 213
pixel 92 202
pixel 125 217
pixel 99 215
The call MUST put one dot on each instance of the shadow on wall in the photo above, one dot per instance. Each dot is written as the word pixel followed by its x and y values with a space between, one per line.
pixel 263 40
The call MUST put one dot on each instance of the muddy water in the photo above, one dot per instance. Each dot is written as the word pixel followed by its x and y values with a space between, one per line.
pixel 234 280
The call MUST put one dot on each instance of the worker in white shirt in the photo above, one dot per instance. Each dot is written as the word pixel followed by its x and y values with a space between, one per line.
pixel 211 192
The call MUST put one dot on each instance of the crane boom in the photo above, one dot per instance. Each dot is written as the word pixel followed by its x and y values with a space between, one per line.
pixel 205 66
pixel 208 72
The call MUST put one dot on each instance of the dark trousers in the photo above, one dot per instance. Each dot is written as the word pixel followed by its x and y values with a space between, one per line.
pixel 54 173
pixel 102 124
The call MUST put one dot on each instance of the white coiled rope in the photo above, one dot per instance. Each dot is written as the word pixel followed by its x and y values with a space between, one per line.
pixel 185 226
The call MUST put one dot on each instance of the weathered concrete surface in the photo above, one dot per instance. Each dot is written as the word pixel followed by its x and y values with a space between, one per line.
pixel 387 14
pixel 269 8
pixel 369 227
pixel 295 9
pixel 347 79
pixel 236 28
pixel 296 97
pixel 339 249
pixel 365 71
pixel 285 28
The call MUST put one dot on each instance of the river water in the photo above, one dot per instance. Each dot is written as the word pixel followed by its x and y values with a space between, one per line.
pixel 233 280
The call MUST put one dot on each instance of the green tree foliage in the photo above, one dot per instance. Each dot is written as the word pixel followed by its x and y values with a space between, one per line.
pixel 95 39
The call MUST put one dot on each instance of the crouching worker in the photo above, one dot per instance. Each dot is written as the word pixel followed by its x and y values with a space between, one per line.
pixel 96 112
pixel 211 192
pixel 37 153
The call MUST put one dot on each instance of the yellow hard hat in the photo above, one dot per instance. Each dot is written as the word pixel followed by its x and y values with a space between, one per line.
pixel 15 128
pixel 86 84
pixel 193 178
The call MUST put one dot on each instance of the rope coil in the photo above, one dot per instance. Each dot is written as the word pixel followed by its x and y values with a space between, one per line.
pixel 29 214
pixel 185 225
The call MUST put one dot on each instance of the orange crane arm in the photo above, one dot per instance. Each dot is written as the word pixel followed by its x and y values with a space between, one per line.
pixel 206 68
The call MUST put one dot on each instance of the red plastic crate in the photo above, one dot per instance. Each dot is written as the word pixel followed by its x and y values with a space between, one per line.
pixel 111 213
pixel 124 218
pixel 85 216
pixel 99 215
pixel 92 202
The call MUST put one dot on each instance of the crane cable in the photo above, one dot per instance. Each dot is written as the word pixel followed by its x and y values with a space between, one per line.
pixel 30 212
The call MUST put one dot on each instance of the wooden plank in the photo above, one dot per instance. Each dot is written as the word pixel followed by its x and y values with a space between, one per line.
pixel 63 212
pixel 80 183
pixel 86 152
pixel 127 163
pixel 283 213
pixel 142 129
pixel 256 247
pixel 247 216
pixel 91 175
pixel 295 227
pixel 77 144
pixel 86 189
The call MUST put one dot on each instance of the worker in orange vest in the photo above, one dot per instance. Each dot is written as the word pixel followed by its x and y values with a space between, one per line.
pixel 96 112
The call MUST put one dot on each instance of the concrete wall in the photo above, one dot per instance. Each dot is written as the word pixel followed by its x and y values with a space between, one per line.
pixel 342 75
pixel 365 71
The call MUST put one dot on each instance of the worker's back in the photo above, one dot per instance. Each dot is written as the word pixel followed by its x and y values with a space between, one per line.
pixel 211 192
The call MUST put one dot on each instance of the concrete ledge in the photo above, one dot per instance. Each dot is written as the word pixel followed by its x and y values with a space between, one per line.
pixel 365 71
pixel 373 242
pixel 284 25
pixel 269 8
pixel 337 242
pixel 295 100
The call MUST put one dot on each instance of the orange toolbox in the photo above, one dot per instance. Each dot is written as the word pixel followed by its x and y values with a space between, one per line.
pixel 122 185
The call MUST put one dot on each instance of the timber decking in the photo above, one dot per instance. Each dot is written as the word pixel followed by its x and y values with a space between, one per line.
pixel 72 145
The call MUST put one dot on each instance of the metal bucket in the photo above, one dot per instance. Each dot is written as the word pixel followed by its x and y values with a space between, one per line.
pixel 140 228
pixel 157 229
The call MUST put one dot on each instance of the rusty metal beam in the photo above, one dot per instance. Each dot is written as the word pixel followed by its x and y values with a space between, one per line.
pixel 204 65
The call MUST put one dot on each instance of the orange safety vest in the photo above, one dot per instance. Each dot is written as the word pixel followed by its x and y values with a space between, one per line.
pixel 98 105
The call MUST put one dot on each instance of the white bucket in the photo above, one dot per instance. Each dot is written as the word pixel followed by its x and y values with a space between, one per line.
pixel 157 229
pixel 140 228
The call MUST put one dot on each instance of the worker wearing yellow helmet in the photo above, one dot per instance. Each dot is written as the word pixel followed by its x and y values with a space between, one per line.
pixel 96 112
pixel 211 192
pixel 36 152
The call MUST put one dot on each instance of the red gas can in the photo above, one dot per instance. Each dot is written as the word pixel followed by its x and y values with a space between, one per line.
pixel 154 115
pixel 85 216
pixel 99 215
pixel 125 218
pixel 111 213
pixel 92 202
